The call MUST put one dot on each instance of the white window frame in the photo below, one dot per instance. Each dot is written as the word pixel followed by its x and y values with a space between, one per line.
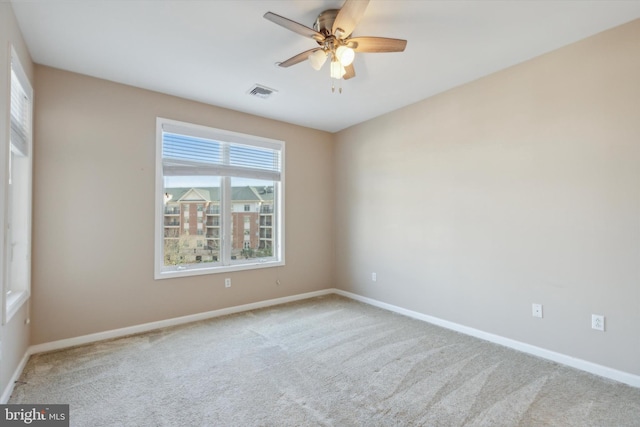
pixel 225 264
pixel 15 296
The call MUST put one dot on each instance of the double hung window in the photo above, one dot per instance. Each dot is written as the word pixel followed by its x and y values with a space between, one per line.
pixel 206 178
pixel 18 190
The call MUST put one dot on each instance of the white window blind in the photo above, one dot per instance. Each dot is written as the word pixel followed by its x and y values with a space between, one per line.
pixel 20 110
pixel 186 152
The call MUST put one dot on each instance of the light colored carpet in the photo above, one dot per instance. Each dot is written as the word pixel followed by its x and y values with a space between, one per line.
pixel 326 361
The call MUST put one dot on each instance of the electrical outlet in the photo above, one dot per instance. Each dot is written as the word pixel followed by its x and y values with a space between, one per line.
pixel 227 282
pixel 536 310
pixel 597 322
pixel 374 277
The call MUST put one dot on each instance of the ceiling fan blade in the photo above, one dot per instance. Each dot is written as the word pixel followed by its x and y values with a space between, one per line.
pixel 298 58
pixel 348 17
pixel 294 26
pixel 376 44
pixel 350 72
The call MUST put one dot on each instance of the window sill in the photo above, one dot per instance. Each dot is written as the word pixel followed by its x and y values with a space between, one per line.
pixel 195 271
pixel 15 301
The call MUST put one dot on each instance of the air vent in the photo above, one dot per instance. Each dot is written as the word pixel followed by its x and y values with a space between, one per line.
pixel 260 91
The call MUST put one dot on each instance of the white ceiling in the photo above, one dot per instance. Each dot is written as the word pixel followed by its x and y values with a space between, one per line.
pixel 215 51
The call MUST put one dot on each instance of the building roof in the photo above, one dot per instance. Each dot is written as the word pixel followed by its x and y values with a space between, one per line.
pixel 208 194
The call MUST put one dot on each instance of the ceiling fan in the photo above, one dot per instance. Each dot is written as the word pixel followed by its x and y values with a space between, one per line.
pixel 332 31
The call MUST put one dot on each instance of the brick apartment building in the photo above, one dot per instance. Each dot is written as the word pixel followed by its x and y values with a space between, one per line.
pixel 192 220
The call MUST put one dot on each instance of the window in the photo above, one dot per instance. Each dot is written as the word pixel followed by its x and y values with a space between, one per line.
pixel 222 170
pixel 18 187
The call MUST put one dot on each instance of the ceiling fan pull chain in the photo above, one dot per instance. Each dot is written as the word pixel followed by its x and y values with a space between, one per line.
pixel 333 86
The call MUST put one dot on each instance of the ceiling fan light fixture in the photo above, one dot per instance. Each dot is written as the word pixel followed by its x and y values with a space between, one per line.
pixel 317 59
pixel 337 70
pixel 345 55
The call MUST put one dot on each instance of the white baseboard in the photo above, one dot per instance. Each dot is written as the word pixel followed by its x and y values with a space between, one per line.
pixel 583 365
pixel 146 327
pixel 6 394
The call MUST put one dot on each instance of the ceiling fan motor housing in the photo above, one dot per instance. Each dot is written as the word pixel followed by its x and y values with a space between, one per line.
pixel 324 22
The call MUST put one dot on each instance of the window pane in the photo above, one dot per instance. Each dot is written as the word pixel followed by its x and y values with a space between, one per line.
pixel 252 218
pixel 20 116
pixel 181 147
pixel 18 232
pixel 254 157
pixel 191 220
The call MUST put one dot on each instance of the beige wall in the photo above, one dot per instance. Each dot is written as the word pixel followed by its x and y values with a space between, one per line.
pixel 522 187
pixel 94 210
pixel 15 334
